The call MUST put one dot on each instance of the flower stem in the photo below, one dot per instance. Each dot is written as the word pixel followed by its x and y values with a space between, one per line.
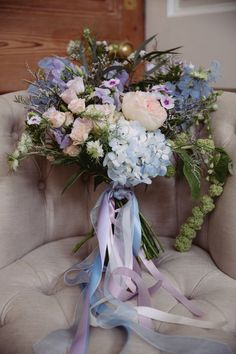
pixel 81 243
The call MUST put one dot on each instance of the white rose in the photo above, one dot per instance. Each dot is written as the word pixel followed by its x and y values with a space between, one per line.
pixel 143 107
pixel 77 105
pixel 76 85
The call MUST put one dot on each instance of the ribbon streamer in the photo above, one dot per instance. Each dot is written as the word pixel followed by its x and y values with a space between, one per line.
pixel 119 234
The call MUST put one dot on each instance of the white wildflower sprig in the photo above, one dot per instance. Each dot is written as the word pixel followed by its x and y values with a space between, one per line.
pixel 95 149
pixel 24 146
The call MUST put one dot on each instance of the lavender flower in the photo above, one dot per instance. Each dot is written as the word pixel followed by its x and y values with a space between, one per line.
pixel 111 83
pixel 61 138
pixel 104 95
pixel 33 119
pixel 53 68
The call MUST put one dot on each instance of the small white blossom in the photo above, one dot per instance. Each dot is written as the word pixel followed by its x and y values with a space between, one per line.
pixel 131 56
pixel 142 53
pixel 13 160
pixel 24 144
pixel 95 149
pixel 14 164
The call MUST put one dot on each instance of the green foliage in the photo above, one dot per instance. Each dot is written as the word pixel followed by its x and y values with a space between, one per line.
pixel 191 171
pixel 222 165
pixel 72 179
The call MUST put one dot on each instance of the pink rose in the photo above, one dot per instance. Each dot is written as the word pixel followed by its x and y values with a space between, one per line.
pixel 80 131
pixel 68 95
pixel 76 85
pixel 56 118
pixel 69 118
pixel 77 105
pixel 143 107
pixel 72 150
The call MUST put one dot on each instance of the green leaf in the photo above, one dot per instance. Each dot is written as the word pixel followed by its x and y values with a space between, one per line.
pixel 59 161
pixel 73 178
pixel 81 243
pixel 191 172
pixel 223 165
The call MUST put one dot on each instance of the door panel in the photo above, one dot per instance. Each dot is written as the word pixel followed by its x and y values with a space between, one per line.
pixel 30 30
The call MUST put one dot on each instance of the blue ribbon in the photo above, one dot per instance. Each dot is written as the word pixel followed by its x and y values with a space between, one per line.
pixel 88 275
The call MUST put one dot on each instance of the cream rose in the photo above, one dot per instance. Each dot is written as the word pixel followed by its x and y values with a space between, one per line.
pixel 77 105
pixel 72 150
pixel 56 118
pixel 80 131
pixel 143 107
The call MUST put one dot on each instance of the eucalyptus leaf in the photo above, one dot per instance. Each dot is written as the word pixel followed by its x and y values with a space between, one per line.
pixel 83 58
pixel 151 71
pixel 142 47
pixel 157 53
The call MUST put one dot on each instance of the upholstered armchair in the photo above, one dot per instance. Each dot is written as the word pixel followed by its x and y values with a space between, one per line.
pixel 39 226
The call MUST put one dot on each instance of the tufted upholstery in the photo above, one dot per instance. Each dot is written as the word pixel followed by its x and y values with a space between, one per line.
pixel 39 227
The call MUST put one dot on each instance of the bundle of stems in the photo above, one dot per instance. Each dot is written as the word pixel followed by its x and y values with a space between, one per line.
pixel 150 242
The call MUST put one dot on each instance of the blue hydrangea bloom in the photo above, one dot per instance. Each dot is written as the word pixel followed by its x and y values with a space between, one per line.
pixel 136 156
pixel 53 68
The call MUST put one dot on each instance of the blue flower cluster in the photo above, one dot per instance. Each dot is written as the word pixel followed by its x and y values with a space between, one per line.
pixel 193 85
pixel 57 71
pixel 137 156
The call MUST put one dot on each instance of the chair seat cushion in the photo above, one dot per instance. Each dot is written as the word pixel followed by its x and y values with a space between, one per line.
pixel 34 300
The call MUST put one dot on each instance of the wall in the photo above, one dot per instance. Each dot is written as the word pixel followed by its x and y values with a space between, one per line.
pixel 204 36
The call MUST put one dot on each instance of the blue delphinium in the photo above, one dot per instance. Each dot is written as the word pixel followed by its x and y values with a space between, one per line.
pixel 136 156
pixel 193 86
pixel 45 91
pixel 57 70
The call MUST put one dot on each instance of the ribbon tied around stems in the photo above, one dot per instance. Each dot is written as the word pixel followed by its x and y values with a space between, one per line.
pixel 103 298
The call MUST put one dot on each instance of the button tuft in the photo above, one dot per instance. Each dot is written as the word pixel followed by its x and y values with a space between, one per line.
pixel 41 185
pixel 15 136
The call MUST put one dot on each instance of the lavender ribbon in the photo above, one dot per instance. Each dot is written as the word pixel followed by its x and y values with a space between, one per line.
pixel 119 233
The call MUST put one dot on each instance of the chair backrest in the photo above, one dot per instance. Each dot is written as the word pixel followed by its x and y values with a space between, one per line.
pixel 33 211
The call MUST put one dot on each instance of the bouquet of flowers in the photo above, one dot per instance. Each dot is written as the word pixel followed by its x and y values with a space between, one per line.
pixel 91 110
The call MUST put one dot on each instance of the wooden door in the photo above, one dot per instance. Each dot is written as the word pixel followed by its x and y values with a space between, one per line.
pixel 32 29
